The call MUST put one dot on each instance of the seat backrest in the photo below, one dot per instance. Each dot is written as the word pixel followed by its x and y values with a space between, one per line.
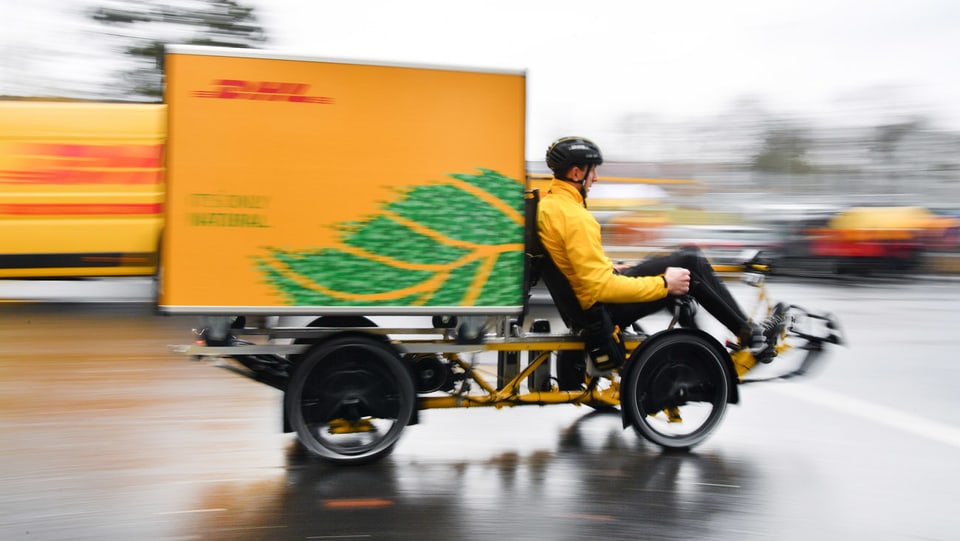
pixel 540 266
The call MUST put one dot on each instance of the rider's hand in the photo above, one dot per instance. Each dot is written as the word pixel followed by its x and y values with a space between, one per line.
pixel 678 280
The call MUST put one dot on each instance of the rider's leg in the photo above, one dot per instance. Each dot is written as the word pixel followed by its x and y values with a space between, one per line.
pixel 760 337
pixel 705 286
pixel 624 314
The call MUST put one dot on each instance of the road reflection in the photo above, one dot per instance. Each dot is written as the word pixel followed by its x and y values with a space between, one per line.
pixel 106 435
pixel 599 480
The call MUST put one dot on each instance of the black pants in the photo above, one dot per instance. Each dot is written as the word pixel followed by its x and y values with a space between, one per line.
pixel 705 286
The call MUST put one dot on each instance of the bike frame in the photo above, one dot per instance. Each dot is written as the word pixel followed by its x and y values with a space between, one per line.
pixel 709 373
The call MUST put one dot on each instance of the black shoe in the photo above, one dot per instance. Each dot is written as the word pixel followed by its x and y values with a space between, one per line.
pixel 767 333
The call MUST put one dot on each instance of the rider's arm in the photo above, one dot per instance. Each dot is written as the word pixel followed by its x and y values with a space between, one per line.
pixel 607 286
pixel 573 240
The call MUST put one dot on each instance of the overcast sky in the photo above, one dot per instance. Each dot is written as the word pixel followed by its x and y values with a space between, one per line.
pixel 590 63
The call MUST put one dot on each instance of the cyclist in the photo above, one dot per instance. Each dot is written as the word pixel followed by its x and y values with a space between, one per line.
pixel 571 236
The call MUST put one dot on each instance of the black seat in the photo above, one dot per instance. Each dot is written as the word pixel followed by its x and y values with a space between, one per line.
pixel 540 267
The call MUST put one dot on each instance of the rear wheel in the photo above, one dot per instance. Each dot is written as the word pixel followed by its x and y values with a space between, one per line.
pixel 676 392
pixel 349 399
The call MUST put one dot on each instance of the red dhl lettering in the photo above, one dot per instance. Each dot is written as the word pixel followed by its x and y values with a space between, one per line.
pixel 51 163
pixel 103 156
pixel 237 89
pixel 79 209
pixel 76 176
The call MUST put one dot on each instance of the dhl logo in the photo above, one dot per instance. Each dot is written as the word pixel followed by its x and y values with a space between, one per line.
pixel 71 164
pixel 237 89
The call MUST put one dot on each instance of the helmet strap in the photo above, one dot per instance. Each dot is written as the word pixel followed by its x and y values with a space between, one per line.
pixel 580 182
pixel 583 191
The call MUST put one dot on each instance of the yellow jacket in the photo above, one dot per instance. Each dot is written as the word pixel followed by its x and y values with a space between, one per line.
pixel 571 235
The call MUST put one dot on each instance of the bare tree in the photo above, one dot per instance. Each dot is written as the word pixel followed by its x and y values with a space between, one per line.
pixel 784 150
pixel 143 27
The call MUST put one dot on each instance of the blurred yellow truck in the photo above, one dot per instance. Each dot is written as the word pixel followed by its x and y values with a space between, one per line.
pixel 81 188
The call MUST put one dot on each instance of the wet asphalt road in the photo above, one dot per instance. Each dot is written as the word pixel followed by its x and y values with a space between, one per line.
pixel 106 435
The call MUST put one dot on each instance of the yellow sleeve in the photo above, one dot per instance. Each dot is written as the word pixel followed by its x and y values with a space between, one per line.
pixel 619 288
pixel 573 240
pixel 596 272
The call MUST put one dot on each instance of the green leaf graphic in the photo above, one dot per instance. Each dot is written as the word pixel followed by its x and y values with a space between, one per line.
pixel 454 243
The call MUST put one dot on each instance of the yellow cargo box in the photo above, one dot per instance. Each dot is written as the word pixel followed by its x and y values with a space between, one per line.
pixel 310 185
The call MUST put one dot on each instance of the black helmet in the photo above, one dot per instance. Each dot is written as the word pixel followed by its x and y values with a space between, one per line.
pixel 567 152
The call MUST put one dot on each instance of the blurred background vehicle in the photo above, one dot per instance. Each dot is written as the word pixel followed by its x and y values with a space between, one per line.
pixel 724 245
pixel 871 240
pixel 81 188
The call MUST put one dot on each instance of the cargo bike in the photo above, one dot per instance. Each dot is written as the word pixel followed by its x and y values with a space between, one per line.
pixel 351 387
pixel 387 208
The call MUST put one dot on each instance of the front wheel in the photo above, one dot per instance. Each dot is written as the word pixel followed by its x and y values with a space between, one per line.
pixel 676 391
pixel 349 399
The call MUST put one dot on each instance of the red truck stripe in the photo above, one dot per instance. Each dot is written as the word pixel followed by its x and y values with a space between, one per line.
pixel 85 209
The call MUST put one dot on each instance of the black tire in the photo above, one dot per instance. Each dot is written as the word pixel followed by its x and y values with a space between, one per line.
pixel 349 399
pixel 681 373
